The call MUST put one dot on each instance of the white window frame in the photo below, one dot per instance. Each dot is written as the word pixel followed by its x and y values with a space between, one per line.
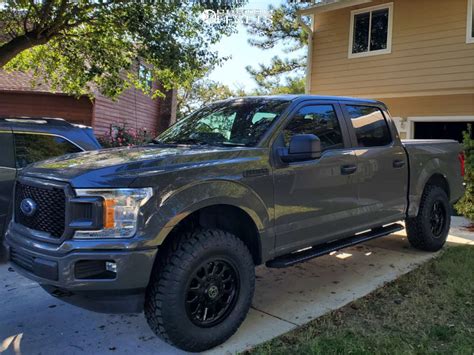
pixel 469 38
pixel 387 50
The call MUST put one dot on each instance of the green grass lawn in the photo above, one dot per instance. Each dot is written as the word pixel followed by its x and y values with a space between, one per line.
pixel 429 310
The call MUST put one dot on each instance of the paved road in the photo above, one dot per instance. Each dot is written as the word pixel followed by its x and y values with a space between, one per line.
pixel 32 322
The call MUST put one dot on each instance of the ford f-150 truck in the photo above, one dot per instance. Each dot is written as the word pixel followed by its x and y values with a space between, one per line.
pixel 177 227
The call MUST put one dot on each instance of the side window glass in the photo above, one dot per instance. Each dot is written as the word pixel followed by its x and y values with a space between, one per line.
pixel 320 120
pixel 370 126
pixel 30 148
pixel 6 158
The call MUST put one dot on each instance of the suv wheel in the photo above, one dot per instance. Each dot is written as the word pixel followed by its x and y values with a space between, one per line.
pixel 201 290
pixel 429 229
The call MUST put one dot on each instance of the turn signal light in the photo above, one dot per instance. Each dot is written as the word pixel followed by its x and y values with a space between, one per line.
pixel 109 213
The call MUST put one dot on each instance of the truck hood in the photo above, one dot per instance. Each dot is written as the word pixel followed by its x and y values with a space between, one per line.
pixel 119 167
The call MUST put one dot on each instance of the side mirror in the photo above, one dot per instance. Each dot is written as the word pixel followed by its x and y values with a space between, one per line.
pixel 302 147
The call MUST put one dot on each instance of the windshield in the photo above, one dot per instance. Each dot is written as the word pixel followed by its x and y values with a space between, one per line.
pixel 239 122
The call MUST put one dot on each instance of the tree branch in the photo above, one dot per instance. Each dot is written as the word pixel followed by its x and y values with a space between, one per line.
pixel 17 45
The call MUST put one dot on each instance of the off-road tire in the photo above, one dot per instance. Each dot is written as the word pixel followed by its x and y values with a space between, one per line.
pixel 165 308
pixel 419 228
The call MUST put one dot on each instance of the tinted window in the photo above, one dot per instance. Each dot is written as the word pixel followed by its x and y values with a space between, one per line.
pixel 30 148
pixel 320 120
pixel 370 126
pixel 6 157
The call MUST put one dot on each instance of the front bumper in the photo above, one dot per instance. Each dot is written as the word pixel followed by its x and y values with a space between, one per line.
pixel 56 269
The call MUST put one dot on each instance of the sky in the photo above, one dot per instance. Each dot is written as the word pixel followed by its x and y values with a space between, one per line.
pixel 233 72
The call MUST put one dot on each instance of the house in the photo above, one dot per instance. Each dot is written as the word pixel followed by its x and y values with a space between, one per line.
pixel 417 56
pixel 18 97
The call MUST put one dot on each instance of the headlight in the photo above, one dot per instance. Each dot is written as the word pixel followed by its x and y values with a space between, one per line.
pixel 120 211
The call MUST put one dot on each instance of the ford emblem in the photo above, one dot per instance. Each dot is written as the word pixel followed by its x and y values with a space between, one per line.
pixel 28 207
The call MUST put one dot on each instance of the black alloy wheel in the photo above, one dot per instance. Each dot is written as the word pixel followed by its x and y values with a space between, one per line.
pixel 212 292
pixel 437 218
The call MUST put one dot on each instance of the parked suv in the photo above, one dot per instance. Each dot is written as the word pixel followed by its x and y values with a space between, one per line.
pixel 25 140
pixel 176 228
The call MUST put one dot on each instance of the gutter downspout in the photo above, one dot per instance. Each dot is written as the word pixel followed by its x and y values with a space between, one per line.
pixel 309 58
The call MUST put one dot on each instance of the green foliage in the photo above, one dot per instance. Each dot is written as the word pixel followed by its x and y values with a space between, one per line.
pixel 201 93
pixel 205 91
pixel 123 136
pixel 282 28
pixel 81 46
pixel 465 205
pixel 292 86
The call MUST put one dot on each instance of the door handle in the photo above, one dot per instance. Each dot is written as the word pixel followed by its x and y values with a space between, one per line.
pixel 348 169
pixel 398 163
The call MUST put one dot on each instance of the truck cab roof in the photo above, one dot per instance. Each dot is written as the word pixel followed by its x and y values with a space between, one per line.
pixel 304 97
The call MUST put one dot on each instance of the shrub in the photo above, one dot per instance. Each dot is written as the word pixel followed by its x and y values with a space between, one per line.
pixel 465 205
pixel 123 136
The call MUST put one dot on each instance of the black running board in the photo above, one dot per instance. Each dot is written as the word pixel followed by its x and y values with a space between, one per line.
pixel 319 250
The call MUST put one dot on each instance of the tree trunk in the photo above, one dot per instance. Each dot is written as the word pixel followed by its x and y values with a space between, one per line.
pixel 11 49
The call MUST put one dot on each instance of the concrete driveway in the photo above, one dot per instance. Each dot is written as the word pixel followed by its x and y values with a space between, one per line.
pixel 32 322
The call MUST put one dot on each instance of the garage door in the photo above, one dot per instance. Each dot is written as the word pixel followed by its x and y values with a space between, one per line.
pixel 46 105
pixel 440 130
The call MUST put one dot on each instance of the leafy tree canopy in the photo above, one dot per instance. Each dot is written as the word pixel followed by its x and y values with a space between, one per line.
pixel 281 28
pixel 204 92
pixel 78 46
pixel 201 93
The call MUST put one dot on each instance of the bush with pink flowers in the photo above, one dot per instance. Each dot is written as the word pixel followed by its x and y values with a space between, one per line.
pixel 123 136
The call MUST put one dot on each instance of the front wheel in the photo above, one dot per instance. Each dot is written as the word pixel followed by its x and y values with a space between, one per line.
pixel 429 229
pixel 201 290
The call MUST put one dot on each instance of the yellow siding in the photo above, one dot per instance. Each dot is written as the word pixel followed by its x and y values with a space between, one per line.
pixel 448 105
pixel 429 53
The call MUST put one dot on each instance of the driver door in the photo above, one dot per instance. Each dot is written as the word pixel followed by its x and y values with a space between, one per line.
pixel 315 200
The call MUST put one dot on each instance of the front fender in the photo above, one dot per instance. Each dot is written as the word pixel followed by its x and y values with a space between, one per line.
pixel 176 205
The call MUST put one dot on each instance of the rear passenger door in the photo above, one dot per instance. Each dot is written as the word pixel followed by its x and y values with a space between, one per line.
pixel 7 176
pixel 382 166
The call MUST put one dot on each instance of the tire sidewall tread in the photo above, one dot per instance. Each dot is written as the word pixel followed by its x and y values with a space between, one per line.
pixel 418 229
pixel 164 303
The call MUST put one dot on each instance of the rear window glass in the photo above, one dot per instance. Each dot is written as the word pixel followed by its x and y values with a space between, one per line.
pixel 370 126
pixel 30 148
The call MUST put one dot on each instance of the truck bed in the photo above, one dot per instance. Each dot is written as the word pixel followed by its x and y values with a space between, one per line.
pixel 429 156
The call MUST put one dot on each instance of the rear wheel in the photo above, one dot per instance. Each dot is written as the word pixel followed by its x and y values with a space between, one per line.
pixel 201 290
pixel 429 229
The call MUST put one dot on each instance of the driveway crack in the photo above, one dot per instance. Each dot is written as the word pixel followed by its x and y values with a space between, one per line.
pixel 274 316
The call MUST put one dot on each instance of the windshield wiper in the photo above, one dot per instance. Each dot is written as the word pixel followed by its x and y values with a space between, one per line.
pixel 231 144
pixel 188 141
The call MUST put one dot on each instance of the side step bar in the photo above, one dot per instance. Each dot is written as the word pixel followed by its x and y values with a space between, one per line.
pixel 319 250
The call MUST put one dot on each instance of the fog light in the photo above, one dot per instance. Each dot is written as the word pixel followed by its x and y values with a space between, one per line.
pixel 111 266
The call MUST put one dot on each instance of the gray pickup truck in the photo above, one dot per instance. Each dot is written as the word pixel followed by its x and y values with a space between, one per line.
pixel 176 228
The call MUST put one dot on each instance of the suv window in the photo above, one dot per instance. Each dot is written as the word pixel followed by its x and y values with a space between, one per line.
pixel 32 147
pixel 320 120
pixel 6 158
pixel 370 126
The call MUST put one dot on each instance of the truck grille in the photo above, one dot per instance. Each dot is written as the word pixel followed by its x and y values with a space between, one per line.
pixel 50 209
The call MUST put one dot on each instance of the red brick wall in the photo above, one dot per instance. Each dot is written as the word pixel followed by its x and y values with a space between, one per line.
pixel 134 109
pixel 47 105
